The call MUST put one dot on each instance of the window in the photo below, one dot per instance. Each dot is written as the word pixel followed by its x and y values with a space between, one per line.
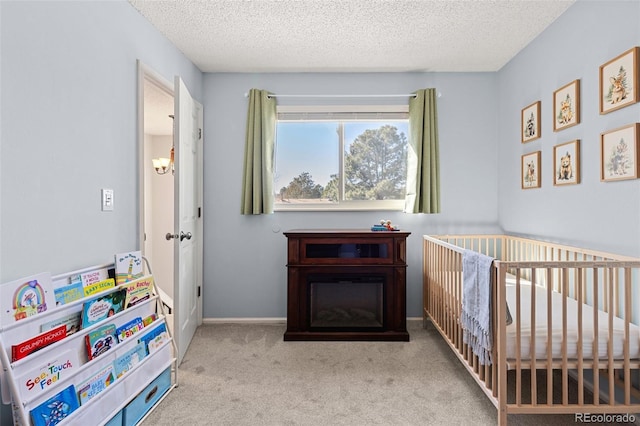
pixel 341 158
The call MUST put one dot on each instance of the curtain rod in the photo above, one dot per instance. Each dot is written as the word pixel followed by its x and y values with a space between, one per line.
pixel 412 95
pixel 409 95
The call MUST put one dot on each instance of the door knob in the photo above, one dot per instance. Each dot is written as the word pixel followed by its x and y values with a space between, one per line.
pixel 170 236
pixel 183 235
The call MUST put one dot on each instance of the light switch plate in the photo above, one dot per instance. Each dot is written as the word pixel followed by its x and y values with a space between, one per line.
pixel 107 200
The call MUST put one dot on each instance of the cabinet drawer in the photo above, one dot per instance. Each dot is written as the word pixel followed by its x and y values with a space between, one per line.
pixel 362 251
pixel 139 406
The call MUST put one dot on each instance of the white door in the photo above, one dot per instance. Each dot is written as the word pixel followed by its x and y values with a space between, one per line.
pixel 188 217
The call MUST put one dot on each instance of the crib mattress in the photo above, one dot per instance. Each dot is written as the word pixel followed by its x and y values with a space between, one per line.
pixel 541 331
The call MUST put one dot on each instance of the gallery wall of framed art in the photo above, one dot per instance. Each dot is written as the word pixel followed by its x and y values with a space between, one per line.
pixel 619 83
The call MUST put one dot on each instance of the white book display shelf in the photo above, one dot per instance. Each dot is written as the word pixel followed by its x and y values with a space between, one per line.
pixel 110 405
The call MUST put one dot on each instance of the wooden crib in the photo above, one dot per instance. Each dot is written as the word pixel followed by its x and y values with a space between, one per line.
pixel 590 368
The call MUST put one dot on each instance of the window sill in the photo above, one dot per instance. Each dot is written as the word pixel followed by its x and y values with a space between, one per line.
pixel 396 205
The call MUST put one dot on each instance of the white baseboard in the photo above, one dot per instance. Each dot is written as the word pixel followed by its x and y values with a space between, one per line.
pixel 262 320
pixel 244 320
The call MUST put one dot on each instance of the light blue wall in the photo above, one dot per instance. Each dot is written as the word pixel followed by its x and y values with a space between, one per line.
pixel 245 256
pixel 69 127
pixel 599 215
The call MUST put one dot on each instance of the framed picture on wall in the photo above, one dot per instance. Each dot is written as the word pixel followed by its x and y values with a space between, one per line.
pixel 619 153
pixel 530 122
pixel 566 106
pixel 619 81
pixel 566 163
pixel 530 170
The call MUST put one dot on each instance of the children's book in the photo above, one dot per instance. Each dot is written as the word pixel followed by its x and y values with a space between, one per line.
pixel 150 319
pixel 128 266
pixel 96 384
pixel 138 290
pixel 129 359
pixel 39 380
pixel 73 279
pixel 34 344
pixel 26 297
pixel 102 307
pixel 155 338
pixel 72 321
pixel 92 277
pixel 100 340
pixel 129 329
pixel 99 286
pixel 55 409
pixel 68 293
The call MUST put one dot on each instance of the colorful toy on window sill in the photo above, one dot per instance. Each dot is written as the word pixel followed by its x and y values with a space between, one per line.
pixel 385 225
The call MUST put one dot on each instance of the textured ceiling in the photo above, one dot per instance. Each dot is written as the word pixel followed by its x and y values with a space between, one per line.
pixel 350 35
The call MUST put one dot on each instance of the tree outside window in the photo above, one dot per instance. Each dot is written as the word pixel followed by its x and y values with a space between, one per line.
pixel 372 167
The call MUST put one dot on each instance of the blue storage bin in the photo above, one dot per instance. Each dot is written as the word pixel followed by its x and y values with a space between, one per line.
pixel 139 406
pixel 115 420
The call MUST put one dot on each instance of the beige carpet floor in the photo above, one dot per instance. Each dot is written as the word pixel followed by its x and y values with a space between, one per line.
pixel 245 374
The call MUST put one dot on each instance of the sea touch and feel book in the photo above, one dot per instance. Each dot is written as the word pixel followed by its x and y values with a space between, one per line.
pixel 38 380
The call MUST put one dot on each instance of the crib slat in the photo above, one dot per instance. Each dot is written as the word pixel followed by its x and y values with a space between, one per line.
pixel 549 337
pixel 502 348
pixel 532 355
pixel 611 371
pixel 580 297
pixel 565 292
pixel 627 319
pixel 580 360
pixel 518 342
pixel 596 339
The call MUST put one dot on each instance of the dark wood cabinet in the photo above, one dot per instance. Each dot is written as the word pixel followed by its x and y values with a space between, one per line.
pixel 346 284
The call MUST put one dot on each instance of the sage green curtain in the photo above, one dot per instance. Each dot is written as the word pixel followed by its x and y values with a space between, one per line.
pixel 423 162
pixel 257 178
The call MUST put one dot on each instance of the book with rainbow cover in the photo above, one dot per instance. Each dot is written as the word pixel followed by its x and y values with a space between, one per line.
pixel 25 297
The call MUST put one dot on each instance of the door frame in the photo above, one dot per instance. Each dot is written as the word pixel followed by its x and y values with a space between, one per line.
pixel 145 72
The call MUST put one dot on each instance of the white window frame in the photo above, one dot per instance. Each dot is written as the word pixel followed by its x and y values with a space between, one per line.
pixel 383 113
